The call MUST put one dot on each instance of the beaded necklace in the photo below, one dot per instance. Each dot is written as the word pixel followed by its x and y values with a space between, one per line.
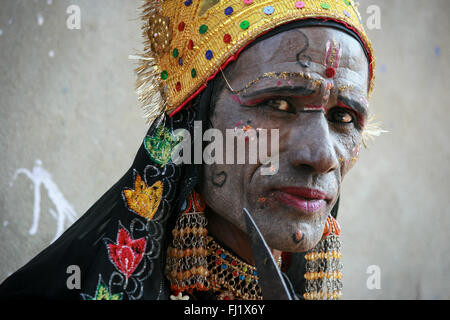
pixel 230 277
pixel 196 262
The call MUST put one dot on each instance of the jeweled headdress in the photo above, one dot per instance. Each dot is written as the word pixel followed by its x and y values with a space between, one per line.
pixel 187 42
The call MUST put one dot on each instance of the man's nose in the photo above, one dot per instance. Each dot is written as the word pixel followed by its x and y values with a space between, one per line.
pixel 311 146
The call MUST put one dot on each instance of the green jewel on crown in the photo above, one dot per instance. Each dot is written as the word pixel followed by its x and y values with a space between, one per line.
pixel 159 146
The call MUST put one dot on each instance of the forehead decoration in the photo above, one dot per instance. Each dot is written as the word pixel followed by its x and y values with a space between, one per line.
pixel 187 42
pixel 332 58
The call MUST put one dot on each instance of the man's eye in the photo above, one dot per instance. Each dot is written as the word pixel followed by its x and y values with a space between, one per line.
pixel 280 104
pixel 339 115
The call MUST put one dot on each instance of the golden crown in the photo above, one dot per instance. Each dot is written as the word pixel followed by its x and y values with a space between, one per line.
pixel 187 42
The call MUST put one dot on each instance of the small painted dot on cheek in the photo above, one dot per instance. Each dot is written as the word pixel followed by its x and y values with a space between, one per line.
pixel 262 202
pixel 298 236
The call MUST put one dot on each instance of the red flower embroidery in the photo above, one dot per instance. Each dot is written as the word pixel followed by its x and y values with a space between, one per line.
pixel 127 253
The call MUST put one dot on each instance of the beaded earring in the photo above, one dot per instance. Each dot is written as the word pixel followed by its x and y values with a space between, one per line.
pixel 323 266
pixel 187 265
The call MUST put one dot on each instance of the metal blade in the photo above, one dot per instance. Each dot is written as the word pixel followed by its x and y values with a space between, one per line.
pixel 270 279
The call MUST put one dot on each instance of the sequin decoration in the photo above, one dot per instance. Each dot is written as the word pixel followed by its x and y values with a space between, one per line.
pixel 299 4
pixel 244 24
pixel 227 38
pixel 191 44
pixel 144 200
pixel 203 29
pixel 209 55
pixel 229 11
pixel 159 146
pixel 102 292
pixel 269 10
pixel 159 33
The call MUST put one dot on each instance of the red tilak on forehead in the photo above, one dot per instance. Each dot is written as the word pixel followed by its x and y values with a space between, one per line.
pixel 332 58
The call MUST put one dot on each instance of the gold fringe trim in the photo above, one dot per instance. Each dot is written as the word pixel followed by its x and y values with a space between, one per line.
pixel 321 275
pixel 371 130
pixel 148 87
pixel 312 256
pixel 328 295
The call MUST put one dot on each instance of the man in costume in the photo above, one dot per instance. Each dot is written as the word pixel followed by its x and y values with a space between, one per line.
pixel 177 230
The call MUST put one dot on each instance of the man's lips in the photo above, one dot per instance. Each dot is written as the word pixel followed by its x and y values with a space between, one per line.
pixel 303 199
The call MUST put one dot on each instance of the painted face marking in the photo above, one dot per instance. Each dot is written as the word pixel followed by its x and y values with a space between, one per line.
pixel 279 76
pixel 345 88
pixel 332 58
pixel 302 59
pixel 313 108
pixel 298 236
pixel 219 179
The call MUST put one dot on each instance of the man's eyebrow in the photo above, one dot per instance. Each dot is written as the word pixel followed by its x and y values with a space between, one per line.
pixel 276 76
pixel 354 105
pixel 293 90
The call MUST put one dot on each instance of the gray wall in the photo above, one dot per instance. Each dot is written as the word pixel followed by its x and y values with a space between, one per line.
pixel 68 110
